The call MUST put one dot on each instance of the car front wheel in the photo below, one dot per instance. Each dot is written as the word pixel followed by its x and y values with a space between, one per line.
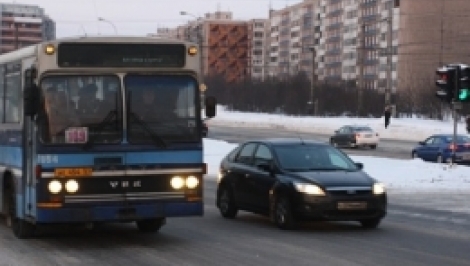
pixel 371 223
pixel 283 216
pixel 227 206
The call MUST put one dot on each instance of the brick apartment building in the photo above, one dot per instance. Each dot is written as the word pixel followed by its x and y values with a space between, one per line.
pixel 23 25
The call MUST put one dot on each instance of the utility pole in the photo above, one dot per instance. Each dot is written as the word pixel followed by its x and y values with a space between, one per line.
pixel 313 103
pixel 388 90
pixel 362 56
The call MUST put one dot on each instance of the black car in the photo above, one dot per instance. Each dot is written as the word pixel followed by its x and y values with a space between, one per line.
pixel 293 180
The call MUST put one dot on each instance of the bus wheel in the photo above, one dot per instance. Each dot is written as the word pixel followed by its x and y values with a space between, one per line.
pixel 150 225
pixel 21 228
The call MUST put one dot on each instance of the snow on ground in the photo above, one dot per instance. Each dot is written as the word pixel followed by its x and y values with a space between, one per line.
pixel 412 129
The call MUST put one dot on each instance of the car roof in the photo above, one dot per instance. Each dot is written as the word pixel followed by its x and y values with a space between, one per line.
pixel 287 141
pixel 447 135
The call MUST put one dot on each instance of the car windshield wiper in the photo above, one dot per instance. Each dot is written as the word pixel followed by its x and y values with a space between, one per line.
pixel 155 138
pixel 110 117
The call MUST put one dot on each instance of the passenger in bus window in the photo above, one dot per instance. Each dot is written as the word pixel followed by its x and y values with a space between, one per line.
pixel 88 103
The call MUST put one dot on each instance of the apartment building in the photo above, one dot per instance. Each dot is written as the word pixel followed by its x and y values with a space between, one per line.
pixel 224 42
pixel 24 25
pixel 293 33
pixel 257 52
pixel 432 33
pixel 360 41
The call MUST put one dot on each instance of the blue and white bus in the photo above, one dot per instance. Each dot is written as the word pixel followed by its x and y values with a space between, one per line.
pixel 101 129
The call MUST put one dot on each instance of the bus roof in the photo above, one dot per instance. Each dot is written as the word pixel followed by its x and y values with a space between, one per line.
pixel 30 51
pixel 117 39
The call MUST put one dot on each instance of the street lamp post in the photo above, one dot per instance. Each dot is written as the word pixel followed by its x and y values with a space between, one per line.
pixel 112 24
pixel 314 103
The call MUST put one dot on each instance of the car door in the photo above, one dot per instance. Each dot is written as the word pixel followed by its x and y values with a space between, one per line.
pixel 241 170
pixel 424 151
pixel 435 148
pixel 345 135
pixel 338 138
pixel 261 180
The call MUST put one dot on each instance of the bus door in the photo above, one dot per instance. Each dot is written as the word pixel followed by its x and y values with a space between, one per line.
pixel 29 146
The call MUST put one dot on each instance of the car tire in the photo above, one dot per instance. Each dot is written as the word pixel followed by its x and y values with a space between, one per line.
pixel 21 229
pixel 333 143
pixel 439 159
pixel 414 155
pixel 226 203
pixel 370 223
pixel 283 216
pixel 150 225
pixel 373 146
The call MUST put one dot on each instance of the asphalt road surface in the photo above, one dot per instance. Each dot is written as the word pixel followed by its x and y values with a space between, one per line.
pixel 387 148
pixel 407 236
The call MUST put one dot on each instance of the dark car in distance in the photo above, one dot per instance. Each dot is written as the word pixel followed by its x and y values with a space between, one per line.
pixel 205 129
pixel 440 148
pixel 292 180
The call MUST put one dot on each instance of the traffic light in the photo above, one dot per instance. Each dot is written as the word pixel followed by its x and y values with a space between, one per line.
pixel 463 93
pixel 446 83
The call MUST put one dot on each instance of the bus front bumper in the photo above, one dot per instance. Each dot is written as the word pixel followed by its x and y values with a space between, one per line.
pixel 118 213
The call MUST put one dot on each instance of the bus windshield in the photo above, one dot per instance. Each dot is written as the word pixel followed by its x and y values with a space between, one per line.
pixel 162 108
pixel 79 109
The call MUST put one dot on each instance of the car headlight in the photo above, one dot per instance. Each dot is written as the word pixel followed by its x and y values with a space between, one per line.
pixel 177 182
pixel 54 187
pixel 71 186
pixel 378 189
pixel 192 182
pixel 309 189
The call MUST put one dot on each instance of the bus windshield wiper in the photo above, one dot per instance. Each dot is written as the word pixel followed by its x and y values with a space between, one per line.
pixel 110 117
pixel 155 138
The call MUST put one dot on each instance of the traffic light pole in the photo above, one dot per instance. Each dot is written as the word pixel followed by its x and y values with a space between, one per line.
pixel 455 107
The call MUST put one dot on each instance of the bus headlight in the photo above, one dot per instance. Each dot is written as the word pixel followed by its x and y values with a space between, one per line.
pixel 50 49
pixel 177 182
pixel 192 182
pixel 71 186
pixel 54 187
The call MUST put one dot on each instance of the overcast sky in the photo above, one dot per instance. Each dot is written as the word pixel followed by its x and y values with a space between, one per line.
pixel 140 17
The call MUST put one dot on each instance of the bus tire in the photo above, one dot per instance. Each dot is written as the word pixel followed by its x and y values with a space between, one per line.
pixel 150 225
pixel 21 228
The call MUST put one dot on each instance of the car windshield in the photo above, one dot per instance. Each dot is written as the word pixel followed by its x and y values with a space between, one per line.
pixel 162 109
pixel 77 109
pixel 363 129
pixel 313 158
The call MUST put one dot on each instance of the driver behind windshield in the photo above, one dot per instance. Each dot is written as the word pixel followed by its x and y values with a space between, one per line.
pixel 147 108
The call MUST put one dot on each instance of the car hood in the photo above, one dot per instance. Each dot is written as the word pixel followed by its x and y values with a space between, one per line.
pixel 335 178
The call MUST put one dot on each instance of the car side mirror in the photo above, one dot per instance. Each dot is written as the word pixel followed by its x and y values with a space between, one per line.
pixel 360 166
pixel 421 143
pixel 266 167
pixel 31 92
pixel 210 106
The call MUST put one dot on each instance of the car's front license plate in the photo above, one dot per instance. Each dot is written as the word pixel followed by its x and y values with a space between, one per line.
pixel 352 205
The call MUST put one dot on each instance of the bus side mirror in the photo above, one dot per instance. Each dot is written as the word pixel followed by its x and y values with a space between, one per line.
pixel 30 92
pixel 210 106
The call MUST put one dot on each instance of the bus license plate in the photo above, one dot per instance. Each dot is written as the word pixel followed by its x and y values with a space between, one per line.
pixel 72 172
